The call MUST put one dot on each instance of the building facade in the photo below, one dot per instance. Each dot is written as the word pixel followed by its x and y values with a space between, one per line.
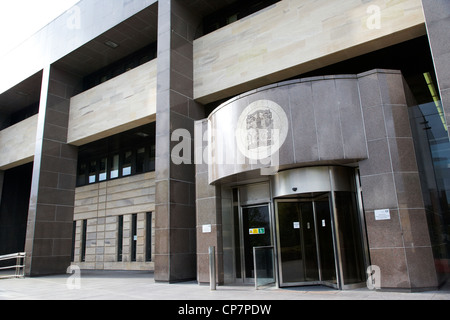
pixel 306 141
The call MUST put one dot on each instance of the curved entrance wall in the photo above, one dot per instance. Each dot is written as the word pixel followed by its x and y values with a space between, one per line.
pixel 312 179
pixel 354 120
pixel 300 122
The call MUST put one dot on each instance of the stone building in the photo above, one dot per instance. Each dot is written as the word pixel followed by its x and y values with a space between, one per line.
pixel 306 141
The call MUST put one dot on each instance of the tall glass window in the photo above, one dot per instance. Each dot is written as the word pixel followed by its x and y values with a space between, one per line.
pixel 127 163
pixel 120 239
pixel 432 146
pixel 148 237
pixel 114 167
pixel 103 173
pixel 140 160
pixel 133 237
pixel 93 171
pixel 83 241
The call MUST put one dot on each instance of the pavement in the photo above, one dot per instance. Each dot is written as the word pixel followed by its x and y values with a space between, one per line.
pixel 121 285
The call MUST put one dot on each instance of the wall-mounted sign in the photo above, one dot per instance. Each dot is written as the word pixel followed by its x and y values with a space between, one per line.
pixel 206 228
pixel 384 214
pixel 296 225
pixel 257 231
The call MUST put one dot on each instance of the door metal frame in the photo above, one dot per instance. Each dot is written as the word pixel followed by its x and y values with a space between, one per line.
pixel 288 193
pixel 245 279
pixel 313 199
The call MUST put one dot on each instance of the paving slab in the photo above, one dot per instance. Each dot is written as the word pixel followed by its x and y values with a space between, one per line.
pixel 103 285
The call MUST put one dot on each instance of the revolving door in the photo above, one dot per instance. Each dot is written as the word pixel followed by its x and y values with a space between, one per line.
pixel 320 232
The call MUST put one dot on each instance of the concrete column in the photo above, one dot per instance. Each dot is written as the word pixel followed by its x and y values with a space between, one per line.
pixel 50 216
pixel 175 247
pixel 401 245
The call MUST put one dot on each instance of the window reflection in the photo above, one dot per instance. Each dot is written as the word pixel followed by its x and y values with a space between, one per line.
pixel 432 146
pixel 126 170
pixel 140 160
pixel 103 169
pixel 93 172
pixel 115 167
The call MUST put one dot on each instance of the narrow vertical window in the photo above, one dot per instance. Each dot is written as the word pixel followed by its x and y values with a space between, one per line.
pixel 140 160
pixel 152 157
pixel 120 239
pixel 127 161
pixel 114 167
pixel 103 173
pixel 74 232
pixel 82 169
pixel 83 241
pixel 93 172
pixel 133 237
pixel 148 237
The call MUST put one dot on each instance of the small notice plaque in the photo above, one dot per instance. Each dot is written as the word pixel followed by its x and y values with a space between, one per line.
pixel 257 231
pixel 384 214
pixel 206 228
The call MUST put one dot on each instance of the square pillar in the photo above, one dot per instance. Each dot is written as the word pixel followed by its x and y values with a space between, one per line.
pixel 175 227
pixel 50 216
pixel 208 212
pixel 401 245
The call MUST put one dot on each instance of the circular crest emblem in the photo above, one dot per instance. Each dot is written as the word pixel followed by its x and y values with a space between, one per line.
pixel 261 130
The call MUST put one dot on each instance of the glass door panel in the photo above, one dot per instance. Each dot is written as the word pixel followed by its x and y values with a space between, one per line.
pixel 327 260
pixel 350 238
pixel 256 233
pixel 297 242
pixel 306 246
pixel 309 237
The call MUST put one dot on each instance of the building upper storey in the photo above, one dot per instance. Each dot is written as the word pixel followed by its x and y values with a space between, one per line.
pixel 277 40
pixel 238 46
pixel 75 28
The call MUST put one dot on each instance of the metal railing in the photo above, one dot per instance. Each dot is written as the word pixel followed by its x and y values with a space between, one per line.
pixel 19 266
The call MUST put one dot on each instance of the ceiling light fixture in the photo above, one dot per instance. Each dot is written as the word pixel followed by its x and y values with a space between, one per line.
pixel 111 44
pixel 23 94
pixel 142 134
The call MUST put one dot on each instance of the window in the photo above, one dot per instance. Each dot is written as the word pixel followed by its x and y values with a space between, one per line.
pixel 121 66
pixel 140 160
pixel 82 170
pixel 83 241
pixel 74 233
pixel 133 237
pixel 103 173
pixel 234 12
pixel 127 163
pixel 122 155
pixel 148 237
pixel 93 171
pixel 114 173
pixel 120 239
